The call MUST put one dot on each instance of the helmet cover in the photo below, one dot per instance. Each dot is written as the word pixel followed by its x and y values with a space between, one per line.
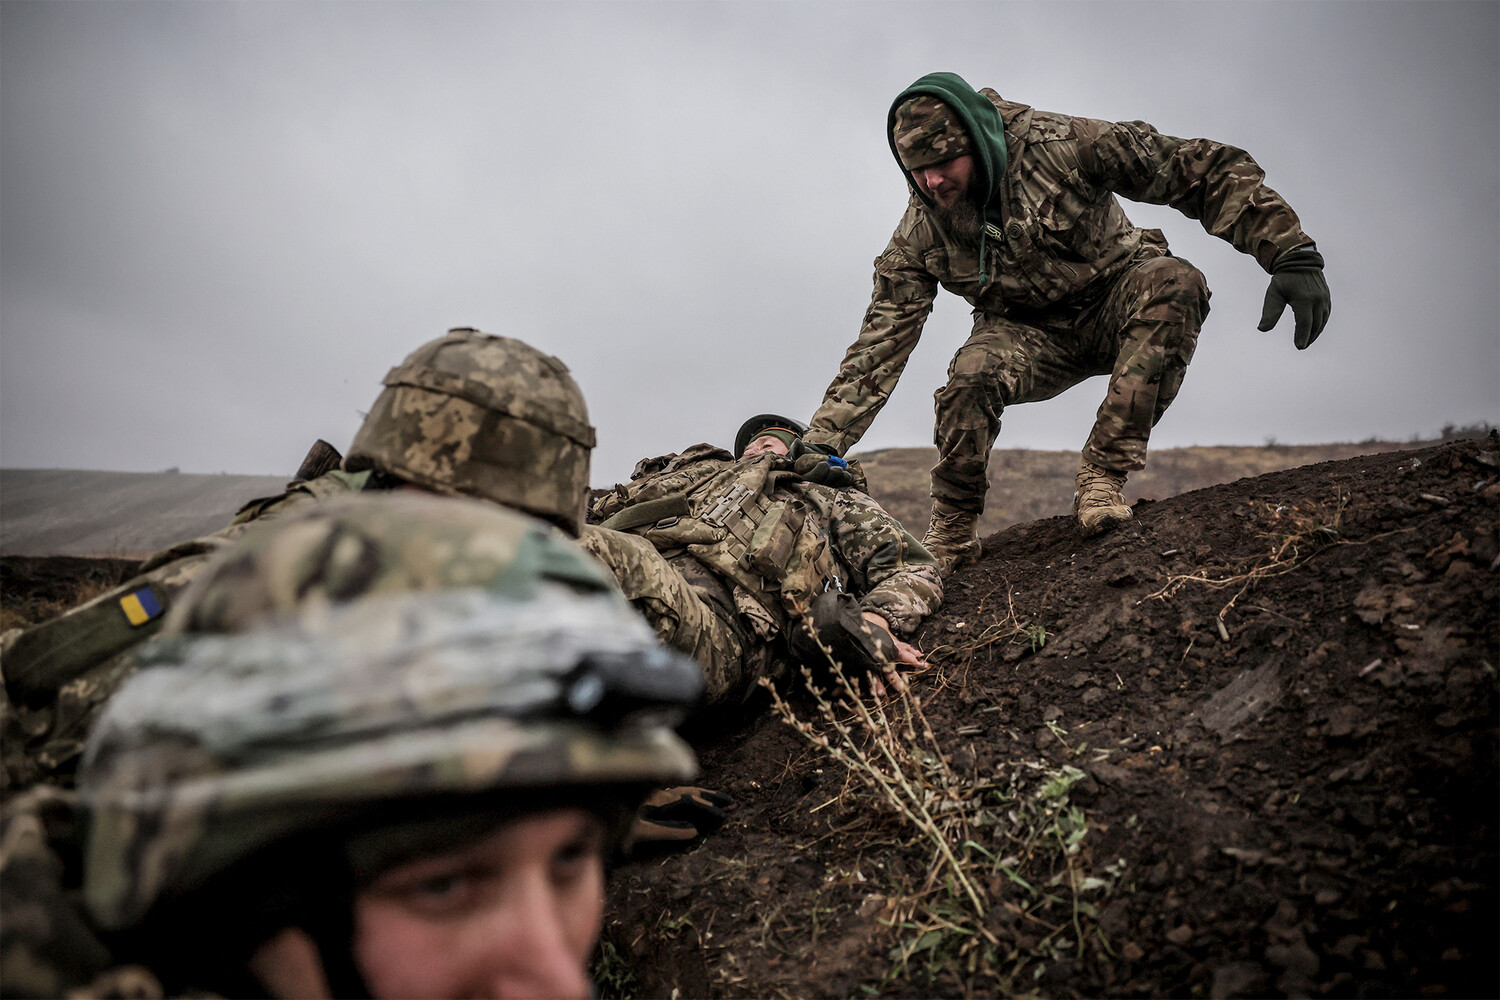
pixel 479 415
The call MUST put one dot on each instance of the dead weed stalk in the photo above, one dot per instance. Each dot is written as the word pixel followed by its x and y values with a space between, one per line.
pixel 1011 629
pixel 888 759
pixel 1004 852
pixel 1299 532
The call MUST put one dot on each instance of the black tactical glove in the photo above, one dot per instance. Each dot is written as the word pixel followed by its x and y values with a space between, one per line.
pixel 1297 279
pixel 817 463
pixel 833 626
pixel 672 816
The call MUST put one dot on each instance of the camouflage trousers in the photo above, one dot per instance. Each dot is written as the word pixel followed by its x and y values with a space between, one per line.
pixel 1141 332
pixel 681 613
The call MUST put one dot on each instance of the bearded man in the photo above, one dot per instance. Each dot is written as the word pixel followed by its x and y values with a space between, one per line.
pixel 1014 209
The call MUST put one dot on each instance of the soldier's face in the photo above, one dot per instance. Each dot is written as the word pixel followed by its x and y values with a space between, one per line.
pixel 515 914
pixel 945 183
pixel 765 443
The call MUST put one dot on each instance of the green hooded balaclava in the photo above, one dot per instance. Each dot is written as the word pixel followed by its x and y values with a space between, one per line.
pixel 940 117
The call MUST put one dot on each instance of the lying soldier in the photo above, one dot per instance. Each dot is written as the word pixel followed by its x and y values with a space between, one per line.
pixel 738 562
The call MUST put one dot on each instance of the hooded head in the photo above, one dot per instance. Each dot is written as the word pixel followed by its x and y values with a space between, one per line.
pixel 941 117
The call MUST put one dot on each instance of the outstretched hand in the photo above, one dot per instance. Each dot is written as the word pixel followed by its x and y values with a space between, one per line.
pixel 1297 280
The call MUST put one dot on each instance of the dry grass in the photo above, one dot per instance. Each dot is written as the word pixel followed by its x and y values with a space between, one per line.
pixel 1298 533
pixel 1005 629
pixel 24 603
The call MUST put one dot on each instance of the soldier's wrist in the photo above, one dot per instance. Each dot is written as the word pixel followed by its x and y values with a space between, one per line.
pixel 1303 257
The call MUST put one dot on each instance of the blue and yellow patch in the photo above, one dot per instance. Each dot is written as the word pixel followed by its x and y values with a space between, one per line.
pixel 140 607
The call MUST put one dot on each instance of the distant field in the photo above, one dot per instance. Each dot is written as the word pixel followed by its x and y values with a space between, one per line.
pixel 65 512
pixel 72 512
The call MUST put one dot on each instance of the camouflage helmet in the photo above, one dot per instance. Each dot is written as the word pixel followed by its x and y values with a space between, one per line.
pixel 925 131
pixel 484 416
pixel 766 423
pixel 481 659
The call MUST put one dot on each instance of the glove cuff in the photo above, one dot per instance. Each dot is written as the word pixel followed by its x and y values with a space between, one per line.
pixel 801 446
pixel 1302 258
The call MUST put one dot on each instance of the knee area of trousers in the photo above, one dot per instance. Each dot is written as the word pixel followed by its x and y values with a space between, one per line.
pixel 985 387
pixel 1175 281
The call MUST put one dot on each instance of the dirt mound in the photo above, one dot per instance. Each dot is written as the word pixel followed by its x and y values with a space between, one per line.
pixel 1026 485
pixel 1245 745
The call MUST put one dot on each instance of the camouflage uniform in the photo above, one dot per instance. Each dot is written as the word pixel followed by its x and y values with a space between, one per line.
pixel 1064 289
pixel 467 414
pixel 349 669
pixel 58 673
pixel 724 578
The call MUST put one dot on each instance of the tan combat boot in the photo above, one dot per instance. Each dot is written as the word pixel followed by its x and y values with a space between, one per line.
pixel 1098 502
pixel 952 537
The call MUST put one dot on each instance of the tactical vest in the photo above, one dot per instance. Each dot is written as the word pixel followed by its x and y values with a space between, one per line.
pixel 734 518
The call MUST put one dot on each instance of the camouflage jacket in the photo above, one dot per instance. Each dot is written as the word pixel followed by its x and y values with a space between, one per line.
pixel 1065 236
pixel 59 672
pixel 774 540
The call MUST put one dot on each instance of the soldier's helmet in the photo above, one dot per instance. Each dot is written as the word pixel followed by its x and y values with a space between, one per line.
pixel 375 659
pixel 479 415
pixel 765 423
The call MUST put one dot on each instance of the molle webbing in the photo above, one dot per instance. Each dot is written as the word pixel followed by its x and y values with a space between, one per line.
pixel 732 522
pixel 739 511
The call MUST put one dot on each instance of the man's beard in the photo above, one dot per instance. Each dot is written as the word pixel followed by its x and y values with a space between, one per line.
pixel 961 221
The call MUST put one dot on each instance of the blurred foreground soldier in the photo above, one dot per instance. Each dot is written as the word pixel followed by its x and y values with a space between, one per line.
pixel 467 414
pixel 733 560
pixel 381 749
pixel 1014 209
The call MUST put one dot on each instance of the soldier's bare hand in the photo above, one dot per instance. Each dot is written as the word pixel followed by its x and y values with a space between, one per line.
pixel 907 655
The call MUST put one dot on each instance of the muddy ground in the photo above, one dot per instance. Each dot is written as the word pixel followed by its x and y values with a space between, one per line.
pixel 1301 802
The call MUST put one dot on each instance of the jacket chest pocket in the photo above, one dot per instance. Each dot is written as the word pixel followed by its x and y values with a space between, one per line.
pixel 775 538
pixel 953 265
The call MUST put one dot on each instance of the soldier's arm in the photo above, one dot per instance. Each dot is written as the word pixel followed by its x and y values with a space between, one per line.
pixel 899 306
pixel 52 653
pixel 895 577
pixel 1219 185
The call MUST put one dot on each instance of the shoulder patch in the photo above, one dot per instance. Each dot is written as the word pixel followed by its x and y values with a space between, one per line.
pixel 140 607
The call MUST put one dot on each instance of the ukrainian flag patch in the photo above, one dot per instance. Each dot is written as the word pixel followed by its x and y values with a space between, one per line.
pixel 140 607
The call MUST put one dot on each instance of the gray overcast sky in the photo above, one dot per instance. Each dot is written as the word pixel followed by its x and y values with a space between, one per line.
pixel 220 223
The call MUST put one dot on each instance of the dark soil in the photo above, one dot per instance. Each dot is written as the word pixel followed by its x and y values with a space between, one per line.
pixel 1305 802
pixel 1026 485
